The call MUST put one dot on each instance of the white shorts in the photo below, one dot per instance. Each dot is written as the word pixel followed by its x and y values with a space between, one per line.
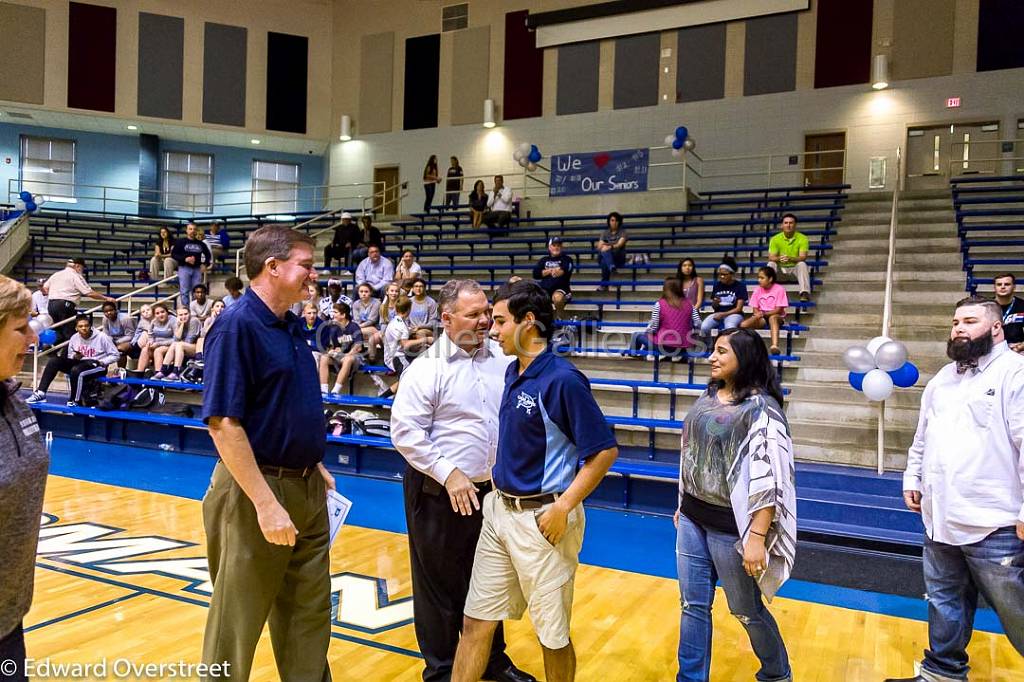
pixel 515 567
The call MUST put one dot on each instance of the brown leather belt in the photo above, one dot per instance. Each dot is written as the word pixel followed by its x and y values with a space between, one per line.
pixel 285 472
pixel 514 503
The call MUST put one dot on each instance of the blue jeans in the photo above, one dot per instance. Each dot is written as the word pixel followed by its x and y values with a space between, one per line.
pixel 643 341
pixel 704 556
pixel 710 323
pixel 610 260
pixel 953 576
pixel 188 278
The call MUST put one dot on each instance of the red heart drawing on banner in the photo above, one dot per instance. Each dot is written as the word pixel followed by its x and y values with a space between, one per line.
pixel 601 160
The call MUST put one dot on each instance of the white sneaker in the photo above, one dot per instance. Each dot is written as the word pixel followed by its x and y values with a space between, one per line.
pixel 379 383
pixel 36 397
pixel 72 403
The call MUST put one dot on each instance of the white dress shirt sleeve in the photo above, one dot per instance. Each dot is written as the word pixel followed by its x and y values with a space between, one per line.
pixel 412 417
pixel 1015 427
pixel 915 455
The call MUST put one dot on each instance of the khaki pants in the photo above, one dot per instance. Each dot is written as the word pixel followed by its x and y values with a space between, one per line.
pixel 170 266
pixel 802 272
pixel 255 582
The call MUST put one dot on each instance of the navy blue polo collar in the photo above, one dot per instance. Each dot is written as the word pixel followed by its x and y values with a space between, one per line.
pixel 265 314
pixel 536 367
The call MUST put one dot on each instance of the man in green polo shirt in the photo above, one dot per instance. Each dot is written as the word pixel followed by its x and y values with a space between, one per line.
pixel 787 255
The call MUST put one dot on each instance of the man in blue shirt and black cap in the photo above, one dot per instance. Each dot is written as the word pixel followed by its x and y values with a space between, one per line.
pixel 554 448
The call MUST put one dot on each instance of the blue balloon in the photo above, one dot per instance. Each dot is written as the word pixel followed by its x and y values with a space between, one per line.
pixel 30 206
pixel 906 376
pixel 534 156
pixel 48 337
pixel 25 196
pixel 857 380
pixel 682 133
pixel 11 215
pixel 677 143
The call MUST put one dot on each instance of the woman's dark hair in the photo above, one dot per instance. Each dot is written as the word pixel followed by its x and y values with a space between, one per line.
pixel 419 280
pixel 405 251
pixel 526 296
pixel 481 184
pixel 233 284
pixel 754 372
pixel 456 160
pixel 617 216
pixel 344 309
pixel 769 273
pixel 161 305
pixel 431 164
pixel 672 291
pixel 679 268
pixel 169 239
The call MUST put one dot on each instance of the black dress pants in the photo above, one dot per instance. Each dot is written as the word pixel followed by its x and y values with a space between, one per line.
pixel 442 545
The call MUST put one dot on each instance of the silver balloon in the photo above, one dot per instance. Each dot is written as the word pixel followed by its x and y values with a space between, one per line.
pixel 669 139
pixel 858 359
pixel 890 356
pixel 877 385
pixel 525 148
pixel 36 325
pixel 523 161
pixel 677 153
pixel 531 166
pixel 517 155
pixel 689 144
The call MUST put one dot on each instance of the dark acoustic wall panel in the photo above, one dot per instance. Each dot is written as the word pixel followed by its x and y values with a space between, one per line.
pixel 700 66
pixel 22 65
pixel 1000 35
pixel 422 74
pixel 149 175
pixel 224 55
pixel 578 72
pixel 287 71
pixel 770 62
pixel 92 56
pixel 161 65
pixel 636 71
pixel 524 70
pixel 842 53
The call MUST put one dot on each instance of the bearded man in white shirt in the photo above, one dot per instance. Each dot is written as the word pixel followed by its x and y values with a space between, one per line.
pixel 965 475
pixel 444 421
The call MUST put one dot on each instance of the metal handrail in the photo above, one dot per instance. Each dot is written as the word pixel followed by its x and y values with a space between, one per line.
pixel 241 249
pixel 887 300
pixel 37 354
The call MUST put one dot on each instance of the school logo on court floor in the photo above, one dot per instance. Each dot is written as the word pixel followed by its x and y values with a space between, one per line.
pixel 358 602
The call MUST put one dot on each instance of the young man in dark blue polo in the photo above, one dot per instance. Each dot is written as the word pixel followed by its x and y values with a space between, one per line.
pixel 265 513
pixel 554 447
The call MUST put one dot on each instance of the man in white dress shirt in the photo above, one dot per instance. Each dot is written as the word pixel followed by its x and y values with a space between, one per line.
pixel 444 421
pixel 965 475
pixel 499 207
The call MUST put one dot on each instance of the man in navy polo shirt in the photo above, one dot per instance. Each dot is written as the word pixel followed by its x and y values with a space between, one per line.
pixel 265 513
pixel 548 425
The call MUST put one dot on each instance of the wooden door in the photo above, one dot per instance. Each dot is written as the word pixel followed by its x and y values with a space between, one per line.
pixel 825 160
pixel 388 202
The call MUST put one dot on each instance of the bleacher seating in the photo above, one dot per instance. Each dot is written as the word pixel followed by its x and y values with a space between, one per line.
pixel 990 223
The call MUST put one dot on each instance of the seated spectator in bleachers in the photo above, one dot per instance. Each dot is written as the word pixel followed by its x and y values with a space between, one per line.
pixel 90 352
pixel 769 302
pixel 200 305
pixel 40 303
pixel 693 284
pixel 120 327
pixel 217 240
pixel 424 317
pixel 193 258
pixel 215 312
pixel 553 273
pixel 333 298
pixel 673 319
pixel 387 306
pixel 170 359
pixel 1013 310
pixel 375 270
pixel 368 236
pixel 234 287
pixel 346 236
pixel 611 248
pixel 478 203
pixel 311 327
pixel 142 327
pixel 728 297
pixel 366 313
pixel 162 251
pixel 342 350
pixel 160 335
pixel 408 270
pixel 313 295
pixel 499 207
pixel 399 347
pixel 787 255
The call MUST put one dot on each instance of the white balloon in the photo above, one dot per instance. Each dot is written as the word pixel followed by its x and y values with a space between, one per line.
pixel 531 166
pixel 669 139
pixel 40 200
pixel 877 385
pixel 524 162
pixel 677 153
pixel 36 325
pixel 874 343
pixel 517 155
pixel 19 205
pixel 525 148
pixel 44 320
pixel 689 144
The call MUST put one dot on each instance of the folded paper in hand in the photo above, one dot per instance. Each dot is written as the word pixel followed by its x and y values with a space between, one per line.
pixel 337 509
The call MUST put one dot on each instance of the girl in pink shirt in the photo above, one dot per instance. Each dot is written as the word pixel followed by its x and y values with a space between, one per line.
pixel 768 302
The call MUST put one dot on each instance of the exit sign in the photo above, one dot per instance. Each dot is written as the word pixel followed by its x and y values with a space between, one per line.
pixel 952 102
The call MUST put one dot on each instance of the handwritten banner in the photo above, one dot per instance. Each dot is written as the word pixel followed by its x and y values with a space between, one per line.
pixel 623 170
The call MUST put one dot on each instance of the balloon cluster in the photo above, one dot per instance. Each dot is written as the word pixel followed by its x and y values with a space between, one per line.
pixel 528 156
pixel 878 367
pixel 47 337
pixel 28 202
pixel 680 140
